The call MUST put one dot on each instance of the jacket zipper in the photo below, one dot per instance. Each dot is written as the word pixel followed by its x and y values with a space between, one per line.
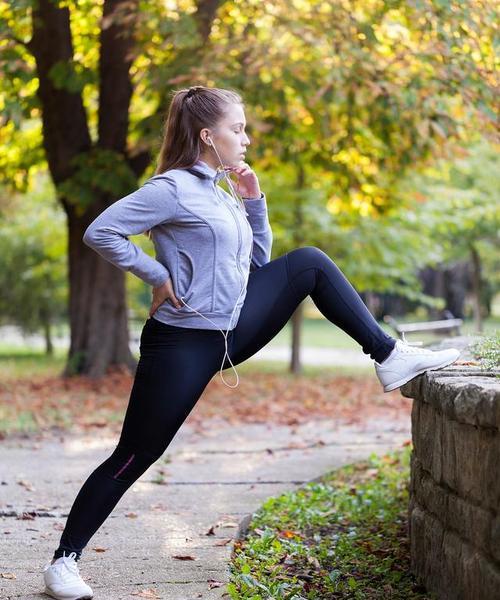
pixel 240 236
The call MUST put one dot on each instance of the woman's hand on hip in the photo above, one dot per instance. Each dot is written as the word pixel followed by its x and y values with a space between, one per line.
pixel 164 292
pixel 247 183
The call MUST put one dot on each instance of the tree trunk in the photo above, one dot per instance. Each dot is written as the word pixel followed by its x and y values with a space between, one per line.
pixel 45 319
pixel 49 346
pixel 476 289
pixel 456 279
pixel 97 309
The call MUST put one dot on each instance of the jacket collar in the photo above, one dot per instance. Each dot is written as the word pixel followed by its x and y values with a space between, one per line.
pixel 204 171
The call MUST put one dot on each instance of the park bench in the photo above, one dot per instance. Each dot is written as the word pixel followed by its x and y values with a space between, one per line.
pixel 449 326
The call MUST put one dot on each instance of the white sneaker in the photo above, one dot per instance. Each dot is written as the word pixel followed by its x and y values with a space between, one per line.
pixel 406 362
pixel 63 581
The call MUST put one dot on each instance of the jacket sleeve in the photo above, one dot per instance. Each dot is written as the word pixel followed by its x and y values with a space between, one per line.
pixel 153 203
pixel 262 232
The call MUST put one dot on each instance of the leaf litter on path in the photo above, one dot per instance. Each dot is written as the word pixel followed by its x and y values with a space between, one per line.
pixel 285 399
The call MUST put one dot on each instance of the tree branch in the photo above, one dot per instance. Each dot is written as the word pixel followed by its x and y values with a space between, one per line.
pixel 10 36
pixel 64 120
pixel 204 15
pixel 115 87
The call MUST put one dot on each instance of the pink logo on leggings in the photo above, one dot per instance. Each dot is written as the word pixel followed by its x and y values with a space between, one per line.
pixel 124 466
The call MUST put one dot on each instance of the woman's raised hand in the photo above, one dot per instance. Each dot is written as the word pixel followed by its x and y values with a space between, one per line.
pixel 164 292
pixel 247 183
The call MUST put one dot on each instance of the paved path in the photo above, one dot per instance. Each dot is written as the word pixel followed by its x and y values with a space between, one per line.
pixel 191 502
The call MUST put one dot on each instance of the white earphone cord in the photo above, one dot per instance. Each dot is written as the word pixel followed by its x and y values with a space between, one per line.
pixel 226 353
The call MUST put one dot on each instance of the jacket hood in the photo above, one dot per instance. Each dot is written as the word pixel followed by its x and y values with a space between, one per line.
pixel 204 171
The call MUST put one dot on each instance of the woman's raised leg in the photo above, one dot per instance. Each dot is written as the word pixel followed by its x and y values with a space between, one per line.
pixel 276 289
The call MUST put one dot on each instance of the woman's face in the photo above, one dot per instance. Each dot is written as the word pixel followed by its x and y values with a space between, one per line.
pixel 229 138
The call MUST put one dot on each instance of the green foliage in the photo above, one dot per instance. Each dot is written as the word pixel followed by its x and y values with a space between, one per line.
pixel 33 246
pixel 382 88
pixel 454 207
pixel 70 76
pixel 377 253
pixel 96 172
pixel 459 198
pixel 487 350
pixel 343 536
pixel 374 94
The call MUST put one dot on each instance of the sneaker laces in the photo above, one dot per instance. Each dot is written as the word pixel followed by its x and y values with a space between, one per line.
pixel 407 348
pixel 70 563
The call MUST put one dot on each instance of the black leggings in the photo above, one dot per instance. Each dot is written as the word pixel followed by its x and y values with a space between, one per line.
pixel 177 363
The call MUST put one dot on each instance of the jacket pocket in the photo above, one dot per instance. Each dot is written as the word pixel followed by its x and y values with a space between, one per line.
pixel 195 280
pixel 185 274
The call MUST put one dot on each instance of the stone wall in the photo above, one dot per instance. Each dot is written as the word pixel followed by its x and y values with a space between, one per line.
pixel 454 511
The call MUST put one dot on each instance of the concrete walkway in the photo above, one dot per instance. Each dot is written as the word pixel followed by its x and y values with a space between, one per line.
pixel 190 504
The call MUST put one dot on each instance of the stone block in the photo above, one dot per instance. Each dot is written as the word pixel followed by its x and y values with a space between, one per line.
pixel 472 523
pixel 448 565
pixel 460 456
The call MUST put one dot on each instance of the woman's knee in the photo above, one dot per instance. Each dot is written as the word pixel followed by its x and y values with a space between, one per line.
pixel 306 257
pixel 128 463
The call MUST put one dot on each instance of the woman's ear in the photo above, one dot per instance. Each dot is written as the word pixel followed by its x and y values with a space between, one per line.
pixel 205 137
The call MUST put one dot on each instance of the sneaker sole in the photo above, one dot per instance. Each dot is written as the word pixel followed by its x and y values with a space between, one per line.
pixel 396 384
pixel 84 597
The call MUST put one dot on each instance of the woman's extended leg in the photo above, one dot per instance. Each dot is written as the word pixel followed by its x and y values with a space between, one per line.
pixel 175 366
pixel 276 289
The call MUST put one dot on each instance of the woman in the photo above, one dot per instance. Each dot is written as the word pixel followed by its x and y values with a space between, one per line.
pixel 212 275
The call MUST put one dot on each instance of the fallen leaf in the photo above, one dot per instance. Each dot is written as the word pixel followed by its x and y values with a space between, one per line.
pixel 223 542
pixel 146 593
pixel 314 561
pixel 286 533
pixel 26 484
pixel 25 516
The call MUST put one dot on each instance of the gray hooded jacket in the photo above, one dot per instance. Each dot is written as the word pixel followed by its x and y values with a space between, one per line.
pixel 203 240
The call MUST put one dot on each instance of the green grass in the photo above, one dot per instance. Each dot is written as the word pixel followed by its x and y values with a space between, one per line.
pixel 487 350
pixel 343 536
pixel 18 362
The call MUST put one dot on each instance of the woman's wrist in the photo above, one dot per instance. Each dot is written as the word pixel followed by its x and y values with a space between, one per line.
pixel 257 196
